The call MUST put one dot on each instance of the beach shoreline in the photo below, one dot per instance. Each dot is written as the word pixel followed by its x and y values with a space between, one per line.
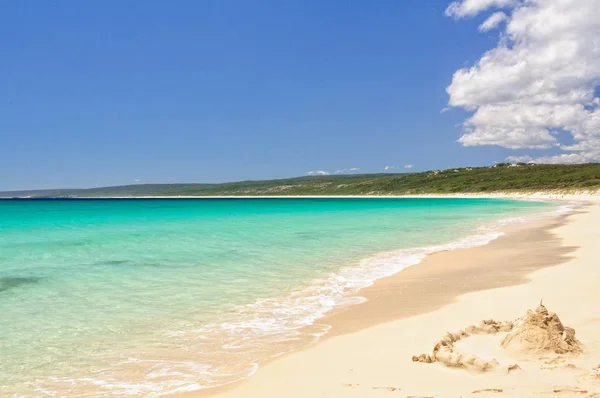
pixel 381 310
pixel 561 195
pixel 246 337
pixel 480 267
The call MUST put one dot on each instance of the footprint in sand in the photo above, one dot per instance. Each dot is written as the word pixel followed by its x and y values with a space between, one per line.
pixel 488 390
pixel 561 366
pixel 513 368
pixel 558 363
pixel 570 390
pixel 553 361
pixel 387 388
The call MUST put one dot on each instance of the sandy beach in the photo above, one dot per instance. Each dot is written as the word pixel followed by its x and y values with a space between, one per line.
pixel 369 350
pixel 302 199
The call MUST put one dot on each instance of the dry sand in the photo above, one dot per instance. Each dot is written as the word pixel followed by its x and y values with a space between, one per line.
pixel 369 350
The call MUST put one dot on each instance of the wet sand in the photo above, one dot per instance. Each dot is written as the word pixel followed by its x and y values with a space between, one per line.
pixel 443 276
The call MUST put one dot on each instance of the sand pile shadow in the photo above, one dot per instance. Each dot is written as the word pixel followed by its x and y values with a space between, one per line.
pixel 537 331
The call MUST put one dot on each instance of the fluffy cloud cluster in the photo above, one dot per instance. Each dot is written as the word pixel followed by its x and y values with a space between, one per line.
pixel 470 8
pixel 326 173
pixel 537 82
pixel 350 170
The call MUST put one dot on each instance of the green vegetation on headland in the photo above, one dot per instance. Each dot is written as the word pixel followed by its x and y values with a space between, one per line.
pixel 502 177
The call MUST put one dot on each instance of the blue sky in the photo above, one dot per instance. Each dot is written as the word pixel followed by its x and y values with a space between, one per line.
pixel 111 92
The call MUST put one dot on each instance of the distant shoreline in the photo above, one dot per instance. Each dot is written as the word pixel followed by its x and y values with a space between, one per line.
pixel 500 179
pixel 541 195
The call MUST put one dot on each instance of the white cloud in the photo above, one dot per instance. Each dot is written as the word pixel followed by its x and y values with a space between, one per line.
pixel 538 81
pixel 493 21
pixel 388 167
pixel 519 159
pixel 556 159
pixel 317 173
pixel 469 8
pixel 408 166
pixel 351 169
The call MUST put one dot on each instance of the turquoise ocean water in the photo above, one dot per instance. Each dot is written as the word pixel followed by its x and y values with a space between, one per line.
pixel 147 297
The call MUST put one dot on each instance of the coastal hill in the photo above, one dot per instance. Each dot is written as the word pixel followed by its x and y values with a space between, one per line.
pixel 502 177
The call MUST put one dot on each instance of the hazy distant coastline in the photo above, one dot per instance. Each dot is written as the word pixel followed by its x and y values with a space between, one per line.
pixel 501 178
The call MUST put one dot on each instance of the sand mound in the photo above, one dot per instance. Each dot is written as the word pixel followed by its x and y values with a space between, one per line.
pixel 542 331
pixel 538 331
pixel 445 352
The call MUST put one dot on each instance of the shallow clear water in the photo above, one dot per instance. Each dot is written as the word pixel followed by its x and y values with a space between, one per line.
pixel 103 297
